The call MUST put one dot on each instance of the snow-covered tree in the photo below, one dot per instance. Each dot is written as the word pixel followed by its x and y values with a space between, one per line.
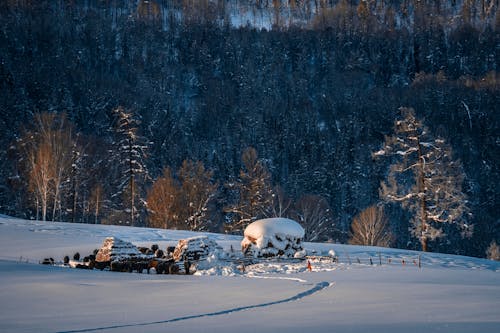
pixel 196 191
pixel 254 191
pixel 424 178
pixel 370 227
pixel 131 148
pixel 314 214
pixel 77 156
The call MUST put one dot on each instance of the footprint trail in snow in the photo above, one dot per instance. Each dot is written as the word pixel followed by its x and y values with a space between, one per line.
pixel 318 287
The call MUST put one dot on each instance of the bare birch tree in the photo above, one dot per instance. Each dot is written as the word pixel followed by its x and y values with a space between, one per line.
pixel 40 177
pixel 314 214
pixel 370 227
pixel 161 202
pixel 493 251
pixel 424 178
pixel 197 189
pixel 96 201
pixel 61 141
pixel 47 156
pixel 282 204
pixel 182 203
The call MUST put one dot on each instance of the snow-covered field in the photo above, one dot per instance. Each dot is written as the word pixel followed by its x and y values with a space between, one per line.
pixel 448 294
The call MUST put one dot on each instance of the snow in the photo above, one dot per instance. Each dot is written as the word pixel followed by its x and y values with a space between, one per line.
pixel 272 226
pixel 273 236
pixel 447 294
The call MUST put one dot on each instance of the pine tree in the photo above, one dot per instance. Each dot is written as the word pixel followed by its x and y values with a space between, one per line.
pixel 76 165
pixel 131 149
pixel 254 192
pixel 424 178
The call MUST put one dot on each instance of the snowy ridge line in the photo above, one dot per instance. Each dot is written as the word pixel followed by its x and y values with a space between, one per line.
pixel 318 287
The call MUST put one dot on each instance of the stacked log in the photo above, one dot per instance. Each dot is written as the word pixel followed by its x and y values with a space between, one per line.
pixel 121 256
pixel 195 248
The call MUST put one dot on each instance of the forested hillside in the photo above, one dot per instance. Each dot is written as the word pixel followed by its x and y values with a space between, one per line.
pixel 272 107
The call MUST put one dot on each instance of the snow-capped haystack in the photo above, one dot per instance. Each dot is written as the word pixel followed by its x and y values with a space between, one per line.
pixel 273 237
pixel 115 249
pixel 196 248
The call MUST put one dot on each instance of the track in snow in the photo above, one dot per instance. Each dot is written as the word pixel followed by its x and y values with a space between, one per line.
pixel 318 287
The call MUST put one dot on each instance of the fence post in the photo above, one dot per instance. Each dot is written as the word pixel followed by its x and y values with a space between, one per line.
pixel 380 258
pixel 419 261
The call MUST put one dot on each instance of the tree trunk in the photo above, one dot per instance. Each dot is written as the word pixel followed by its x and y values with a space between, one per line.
pixel 423 241
pixel 75 189
pixel 44 210
pixel 37 209
pixel 421 193
pixel 132 183
pixel 96 214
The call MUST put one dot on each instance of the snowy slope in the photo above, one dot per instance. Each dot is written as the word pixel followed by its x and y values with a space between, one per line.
pixel 448 294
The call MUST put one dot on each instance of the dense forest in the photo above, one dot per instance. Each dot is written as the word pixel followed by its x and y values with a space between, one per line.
pixel 155 97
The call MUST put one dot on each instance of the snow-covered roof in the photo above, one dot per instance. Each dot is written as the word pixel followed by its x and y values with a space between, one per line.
pixel 273 226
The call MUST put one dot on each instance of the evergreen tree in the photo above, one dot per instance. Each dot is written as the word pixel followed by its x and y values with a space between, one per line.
pixel 424 178
pixel 131 155
pixel 254 192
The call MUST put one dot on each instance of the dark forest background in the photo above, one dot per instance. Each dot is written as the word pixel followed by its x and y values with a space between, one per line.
pixel 314 91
